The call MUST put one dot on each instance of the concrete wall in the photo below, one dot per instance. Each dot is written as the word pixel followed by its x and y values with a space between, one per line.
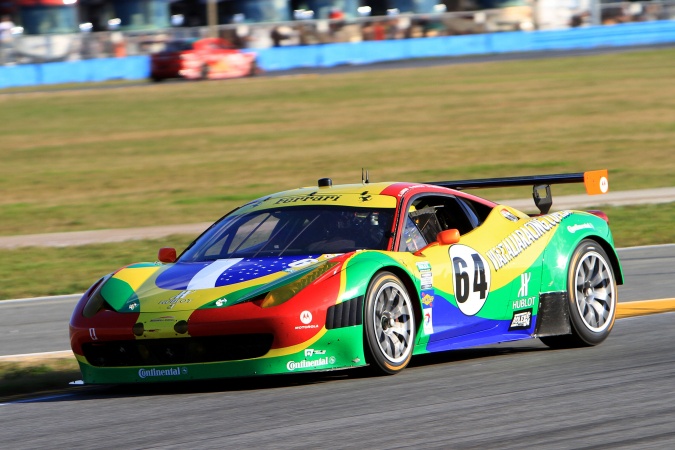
pixel 328 55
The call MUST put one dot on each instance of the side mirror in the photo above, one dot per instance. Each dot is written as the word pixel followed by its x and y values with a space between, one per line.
pixel 448 237
pixel 445 237
pixel 167 255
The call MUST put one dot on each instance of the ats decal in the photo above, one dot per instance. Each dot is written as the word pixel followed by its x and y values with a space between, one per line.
pixel 471 279
pixel 514 244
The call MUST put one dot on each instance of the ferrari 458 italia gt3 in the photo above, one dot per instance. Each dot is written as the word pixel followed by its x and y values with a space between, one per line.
pixel 333 277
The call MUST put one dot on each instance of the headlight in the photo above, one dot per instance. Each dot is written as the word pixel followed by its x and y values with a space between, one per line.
pixel 96 300
pixel 284 293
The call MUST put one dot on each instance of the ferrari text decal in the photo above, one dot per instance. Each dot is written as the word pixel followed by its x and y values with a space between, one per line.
pixel 471 279
pixel 514 244
pixel 311 197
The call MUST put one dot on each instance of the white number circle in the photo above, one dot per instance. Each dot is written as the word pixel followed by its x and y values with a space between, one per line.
pixel 470 278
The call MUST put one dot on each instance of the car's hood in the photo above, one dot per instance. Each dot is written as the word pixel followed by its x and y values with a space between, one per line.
pixel 154 287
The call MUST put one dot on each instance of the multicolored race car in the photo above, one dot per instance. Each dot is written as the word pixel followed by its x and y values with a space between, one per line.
pixel 370 274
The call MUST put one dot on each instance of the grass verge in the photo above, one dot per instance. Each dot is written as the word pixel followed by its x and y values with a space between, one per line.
pixel 28 377
pixel 175 153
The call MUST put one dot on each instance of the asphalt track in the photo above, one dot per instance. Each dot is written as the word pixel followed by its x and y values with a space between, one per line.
pixel 617 395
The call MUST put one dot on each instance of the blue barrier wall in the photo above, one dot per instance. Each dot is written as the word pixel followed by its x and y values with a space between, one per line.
pixel 328 55
pixel 130 68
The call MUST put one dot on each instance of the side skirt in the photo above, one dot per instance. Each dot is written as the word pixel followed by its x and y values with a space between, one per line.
pixel 553 318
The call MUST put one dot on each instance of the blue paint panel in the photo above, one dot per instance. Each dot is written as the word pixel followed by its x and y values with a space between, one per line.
pixel 250 269
pixel 498 333
pixel 179 275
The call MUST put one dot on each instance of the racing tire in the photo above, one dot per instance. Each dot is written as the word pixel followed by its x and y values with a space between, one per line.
pixel 389 327
pixel 592 297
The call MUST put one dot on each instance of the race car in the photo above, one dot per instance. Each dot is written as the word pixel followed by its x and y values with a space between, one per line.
pixel 209 58
pixel 369 274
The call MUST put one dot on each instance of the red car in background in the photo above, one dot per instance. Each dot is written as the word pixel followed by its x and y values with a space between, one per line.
pixel 210 58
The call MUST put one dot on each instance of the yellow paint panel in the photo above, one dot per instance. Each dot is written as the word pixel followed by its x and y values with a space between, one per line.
pixel 135 277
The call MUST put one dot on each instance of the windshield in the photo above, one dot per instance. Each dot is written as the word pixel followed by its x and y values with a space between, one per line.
pixel 294 231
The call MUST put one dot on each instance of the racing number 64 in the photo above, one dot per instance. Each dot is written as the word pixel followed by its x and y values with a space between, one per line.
pixel 471 279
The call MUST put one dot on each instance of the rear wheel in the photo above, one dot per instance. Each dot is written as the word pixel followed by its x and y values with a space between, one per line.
pixel 389 324
pixel 592 296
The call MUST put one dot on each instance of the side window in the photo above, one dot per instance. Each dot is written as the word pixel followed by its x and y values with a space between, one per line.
pixel 412 239
pixel 476 211
pixel 430 214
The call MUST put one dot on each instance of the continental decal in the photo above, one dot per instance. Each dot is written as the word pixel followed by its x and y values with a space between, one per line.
pixel 311 197
pixel 523 237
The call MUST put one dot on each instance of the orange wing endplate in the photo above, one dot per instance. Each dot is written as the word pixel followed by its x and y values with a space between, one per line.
pixel 596 182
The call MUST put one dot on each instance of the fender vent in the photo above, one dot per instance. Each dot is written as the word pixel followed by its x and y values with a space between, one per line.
pixel 345 314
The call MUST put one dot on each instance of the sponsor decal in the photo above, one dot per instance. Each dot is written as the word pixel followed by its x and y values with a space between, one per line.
pixel 132 306
pixel 221 301
pixel 163 319
pixel 311 197
pixel 427 299
pixel 305 364
pixel 574 228
pixel 92 334
pixel 524 284
pixel 523 303
pixel 428 321
pixel 604 185
pixel 423 266
pixel 365 197
pixel 522 238
pixel 509 215
pixel 521 320
pixel 310 352
pixel 176 299
pixel 255 203
pixel 471 279
pixel 170 372
pixel 426 280
pixel 306 319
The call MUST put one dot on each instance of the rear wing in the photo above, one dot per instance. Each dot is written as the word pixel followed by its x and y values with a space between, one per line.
pixel 596 182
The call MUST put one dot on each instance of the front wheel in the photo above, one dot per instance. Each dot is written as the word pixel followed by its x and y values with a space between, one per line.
pixel 389 324
pixel 592 296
